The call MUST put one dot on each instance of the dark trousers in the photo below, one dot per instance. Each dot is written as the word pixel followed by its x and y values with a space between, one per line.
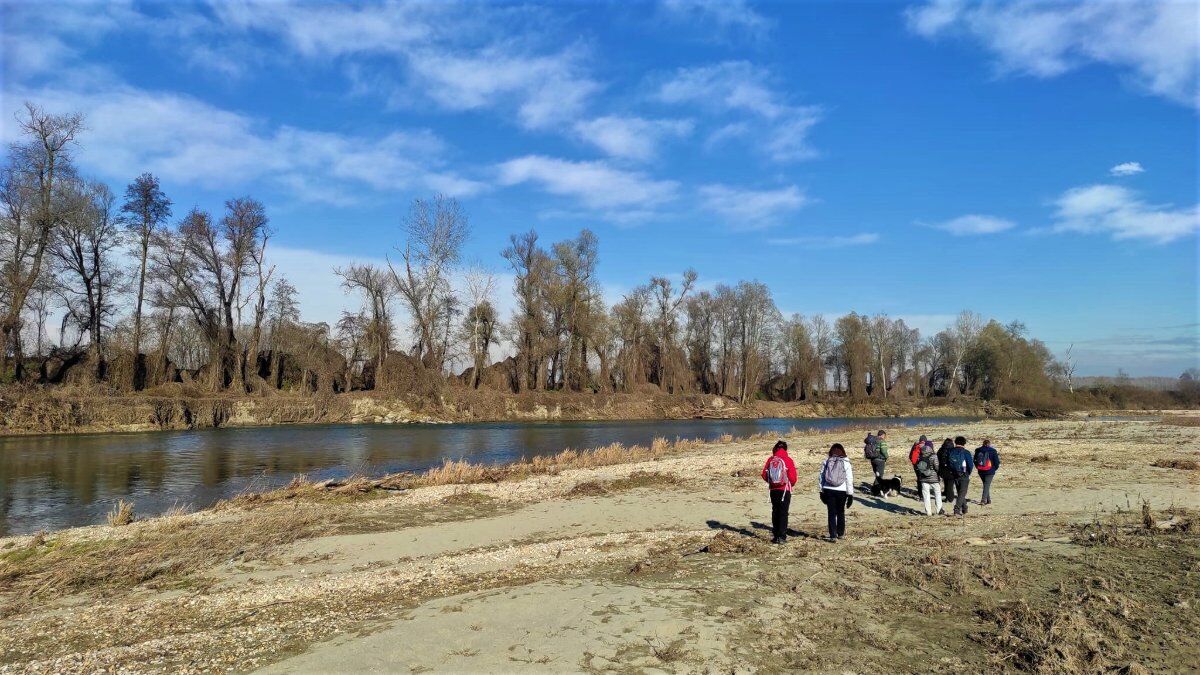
pixel 987 487
pixel 960 486
pixel 877 466
pixel 948 488
pixel 780 501
pixel 835 505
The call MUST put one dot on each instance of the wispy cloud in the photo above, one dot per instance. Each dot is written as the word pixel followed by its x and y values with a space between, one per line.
pixel 974 224
pixel 1127 169
pixel 743 88
pixel 186 140
pixel 751 209
pixel 862 239
pixel 1118 211
pixel 631 137
pixel 460 56
pixel 596 185
pixel 720 17
pixel 1153 43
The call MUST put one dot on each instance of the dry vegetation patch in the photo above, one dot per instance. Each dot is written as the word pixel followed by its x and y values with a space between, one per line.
pixel 1182 464
pixel 162 553
pixel 1181 421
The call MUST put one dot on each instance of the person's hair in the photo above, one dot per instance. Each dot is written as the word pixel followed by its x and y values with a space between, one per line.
pixel 947 444
pixel 881 433
pixel 779 445
pixel 836 450
pixel 987 441
pixel 960 440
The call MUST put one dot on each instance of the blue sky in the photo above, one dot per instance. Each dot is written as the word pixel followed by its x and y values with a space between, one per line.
pixel 1027 161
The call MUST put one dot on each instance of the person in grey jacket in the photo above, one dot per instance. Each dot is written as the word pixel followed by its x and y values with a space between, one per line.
pixel 928 478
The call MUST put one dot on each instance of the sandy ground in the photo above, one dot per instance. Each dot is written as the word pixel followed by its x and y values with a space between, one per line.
pixel 676 575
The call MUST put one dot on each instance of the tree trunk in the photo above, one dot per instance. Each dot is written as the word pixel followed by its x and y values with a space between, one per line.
pixel 139 371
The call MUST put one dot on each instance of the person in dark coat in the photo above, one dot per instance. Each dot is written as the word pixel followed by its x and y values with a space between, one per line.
pixel 947 476
pixel 987 462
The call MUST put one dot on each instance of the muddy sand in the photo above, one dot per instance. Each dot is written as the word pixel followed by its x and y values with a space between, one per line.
pixel 1087 561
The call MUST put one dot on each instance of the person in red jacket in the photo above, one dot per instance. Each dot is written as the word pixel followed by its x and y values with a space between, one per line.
pixel 780 474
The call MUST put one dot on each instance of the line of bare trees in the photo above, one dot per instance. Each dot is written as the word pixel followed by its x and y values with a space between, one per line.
pixel 147 301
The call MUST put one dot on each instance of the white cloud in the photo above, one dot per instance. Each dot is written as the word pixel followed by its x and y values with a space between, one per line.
pixel 630 137
pixel 546 89
pixel 1126 169
pixel 741 87
pixel 460 56
pixel 188 141
pixel 751 209
pixel 731 85
pixel 1116 210
pixel 1154 44
pixel 974 224
pixel 596 185
pixel 722 16
pixel 861 239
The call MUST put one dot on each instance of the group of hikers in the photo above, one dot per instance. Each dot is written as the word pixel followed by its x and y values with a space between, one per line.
pixel 944 472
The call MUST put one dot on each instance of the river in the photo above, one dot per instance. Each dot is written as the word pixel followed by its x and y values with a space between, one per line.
pixel 52 482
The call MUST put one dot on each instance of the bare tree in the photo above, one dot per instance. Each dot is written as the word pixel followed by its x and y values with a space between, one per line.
pixel 480 325
pixel 436 231
pixel 631 322
pixel 575 263
pixel 83 246
pixel 1067 367
pixel 262 278
pixel 146 209
pixel 822 340
pixel 532 266
pixel 377 286
pixel 207 265
pixel 755 314
pixel 667 302
pixel 29 189
pixel 963 334
pixel 854 349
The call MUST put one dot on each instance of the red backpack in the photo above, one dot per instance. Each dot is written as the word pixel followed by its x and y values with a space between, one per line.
pixel 777 473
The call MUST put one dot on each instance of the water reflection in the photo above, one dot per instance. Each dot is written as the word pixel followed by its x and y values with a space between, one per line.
pixel 49 482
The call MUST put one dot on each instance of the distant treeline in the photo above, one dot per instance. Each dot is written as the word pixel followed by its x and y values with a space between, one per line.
pixel 150 297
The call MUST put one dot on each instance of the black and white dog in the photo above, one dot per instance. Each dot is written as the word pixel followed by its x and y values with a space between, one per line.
pixel 886 487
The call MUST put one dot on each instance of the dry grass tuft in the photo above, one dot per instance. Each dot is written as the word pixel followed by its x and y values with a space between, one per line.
pixel 1040 459
pixel 637 479
pixel 121 514
pixel 1181 464
pixel 1078 635
pixel 727 542
pixel 467 498
pixel 667 653
pixel 1181 421
pixel 588 488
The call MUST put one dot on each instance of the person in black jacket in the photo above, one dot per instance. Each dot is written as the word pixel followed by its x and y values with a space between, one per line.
pixel 947 476
pixel 987 461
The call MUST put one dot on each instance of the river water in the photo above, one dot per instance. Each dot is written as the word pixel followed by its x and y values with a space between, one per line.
pixel 52 482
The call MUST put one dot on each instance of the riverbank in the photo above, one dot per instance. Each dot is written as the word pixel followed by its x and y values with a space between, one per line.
pixel 646 558
pixel 66 411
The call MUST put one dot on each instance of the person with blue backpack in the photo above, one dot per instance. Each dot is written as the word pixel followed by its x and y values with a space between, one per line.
pixel 961 464
pixel 987 462
pixel 836 483
pixel 780 474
